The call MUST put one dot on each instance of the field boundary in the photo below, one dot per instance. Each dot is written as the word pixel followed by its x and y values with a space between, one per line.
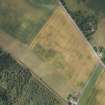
pixel 82 35
pixel 84 38
pixel 60 98
pixel 24 65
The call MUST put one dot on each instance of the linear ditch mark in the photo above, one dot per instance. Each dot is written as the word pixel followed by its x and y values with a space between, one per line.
pixel 60 98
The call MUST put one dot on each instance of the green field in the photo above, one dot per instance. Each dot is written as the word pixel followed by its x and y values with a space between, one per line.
pixel 90 88
pixel 24 18
pixel 94 93
pixel 77 5
pixel 96 5
pixel 84 5
pixel 19 87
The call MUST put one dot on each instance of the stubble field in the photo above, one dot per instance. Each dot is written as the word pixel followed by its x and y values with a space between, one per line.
pixel 69 66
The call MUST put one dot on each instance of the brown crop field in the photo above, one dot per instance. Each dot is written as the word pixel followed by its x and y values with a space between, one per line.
pixel 70 59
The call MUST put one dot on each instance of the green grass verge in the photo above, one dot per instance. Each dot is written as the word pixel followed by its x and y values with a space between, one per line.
pixel 23 19
pixel 90 87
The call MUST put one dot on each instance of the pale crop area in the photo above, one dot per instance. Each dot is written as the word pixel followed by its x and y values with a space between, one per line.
pixel 72 60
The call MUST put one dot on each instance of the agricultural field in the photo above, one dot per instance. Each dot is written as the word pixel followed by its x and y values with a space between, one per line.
pixel 97 5
pixel 100 86
pixel 99 37
pixel 56 51
pixel 85 18
pixel 67 58
pixel 90 7
pixel 90 91
pixel 19 87
pixel 94 93
pixel 23 19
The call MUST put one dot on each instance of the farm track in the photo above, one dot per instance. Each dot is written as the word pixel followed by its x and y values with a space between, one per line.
pixel 87 90
pixel 82 35
pixel 36 38
pixel 87 86
pixel 25 57
pixel 23 54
